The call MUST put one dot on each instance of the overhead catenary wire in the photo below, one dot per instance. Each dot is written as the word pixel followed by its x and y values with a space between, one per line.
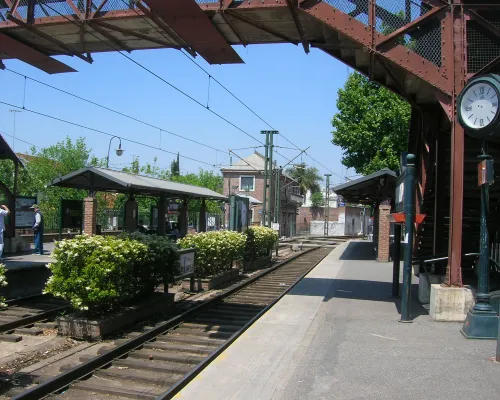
pixel 85 28
pixel 112 110
pixel 106 133
pixel 20 140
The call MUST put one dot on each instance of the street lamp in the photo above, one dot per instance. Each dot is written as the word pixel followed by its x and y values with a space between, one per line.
pixel 119 150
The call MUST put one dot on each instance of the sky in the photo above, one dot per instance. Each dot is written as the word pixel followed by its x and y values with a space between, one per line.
pixel 292 91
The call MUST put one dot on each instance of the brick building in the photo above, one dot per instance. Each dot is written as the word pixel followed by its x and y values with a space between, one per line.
pixel 246 178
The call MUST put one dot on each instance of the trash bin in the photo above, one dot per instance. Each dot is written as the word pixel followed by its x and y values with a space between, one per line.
pixel 98 230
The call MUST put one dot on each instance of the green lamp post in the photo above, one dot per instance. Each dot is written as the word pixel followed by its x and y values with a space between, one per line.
pixel 478 113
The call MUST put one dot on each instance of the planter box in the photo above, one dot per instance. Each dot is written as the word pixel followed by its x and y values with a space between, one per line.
pixel 83 328
pixel 263 262
pixel 213 282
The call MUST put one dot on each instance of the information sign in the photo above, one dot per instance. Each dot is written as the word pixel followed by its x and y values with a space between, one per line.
pixel 24 214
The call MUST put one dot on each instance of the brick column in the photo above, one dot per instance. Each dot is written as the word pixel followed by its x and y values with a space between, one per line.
pixel 384 230
pixel 90 216
pixel 130 215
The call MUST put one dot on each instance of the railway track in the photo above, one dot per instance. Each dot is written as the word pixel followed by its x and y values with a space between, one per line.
pixel 29 316
pixel 159 362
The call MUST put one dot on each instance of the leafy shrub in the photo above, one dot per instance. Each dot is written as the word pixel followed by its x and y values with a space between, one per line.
pixel 3 282
pixel 215 251
pixel 100 273
pixel 260 241
pixel 162 250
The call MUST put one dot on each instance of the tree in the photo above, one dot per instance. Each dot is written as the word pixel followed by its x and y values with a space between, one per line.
pixel 371 125
pixel 308 178
pixel 175 167
pixel 317 200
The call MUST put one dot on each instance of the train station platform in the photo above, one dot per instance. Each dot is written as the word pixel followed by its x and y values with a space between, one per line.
pixel 336 335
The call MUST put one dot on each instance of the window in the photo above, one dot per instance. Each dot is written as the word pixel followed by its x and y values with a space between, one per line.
pixel 247 183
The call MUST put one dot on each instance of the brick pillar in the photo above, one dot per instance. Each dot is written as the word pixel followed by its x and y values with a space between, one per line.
pixel 384 231
pixel 90 216
pixel 130 215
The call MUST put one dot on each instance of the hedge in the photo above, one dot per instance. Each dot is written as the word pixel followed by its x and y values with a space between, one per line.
pixel 259 242
pixel 215 251
pixel 3 282
pixel 101 273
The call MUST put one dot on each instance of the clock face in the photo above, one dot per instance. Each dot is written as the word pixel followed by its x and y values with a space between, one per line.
pixel 479 105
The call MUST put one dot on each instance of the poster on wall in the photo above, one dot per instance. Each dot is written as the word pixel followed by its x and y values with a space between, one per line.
pixel 24 215
pixel 239 213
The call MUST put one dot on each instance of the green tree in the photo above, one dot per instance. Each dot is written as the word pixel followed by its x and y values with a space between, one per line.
pixel 371 125
pixel 175 167
pixel 317 199
pixel 308 178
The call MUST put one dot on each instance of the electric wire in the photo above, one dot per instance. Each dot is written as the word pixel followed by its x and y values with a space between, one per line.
pixel 84 26
pixel 106 133
pixel 112 110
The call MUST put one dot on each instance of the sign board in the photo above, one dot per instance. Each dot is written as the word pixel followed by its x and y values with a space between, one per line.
pixel 400 192
pixel 276 226
pixel 71 214
pixel 24 215
pixel 187 259
pixel 239 214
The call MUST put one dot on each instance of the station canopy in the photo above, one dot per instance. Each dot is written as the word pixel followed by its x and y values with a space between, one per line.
pixel 107 180
pixel 369 189
pixel 6 152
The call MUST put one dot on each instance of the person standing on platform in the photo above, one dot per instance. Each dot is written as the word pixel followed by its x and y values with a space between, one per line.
pixel 3 212
pixel 38 229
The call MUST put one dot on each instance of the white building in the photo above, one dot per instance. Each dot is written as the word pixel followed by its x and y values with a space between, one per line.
pixel 333 198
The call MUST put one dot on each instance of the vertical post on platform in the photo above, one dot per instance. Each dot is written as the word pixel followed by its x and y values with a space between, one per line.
pixel 409 208
pixel 264 200
pixel 327 205
pixel 396 258
pixel 482 321
pixel 277 207
pixel 271 187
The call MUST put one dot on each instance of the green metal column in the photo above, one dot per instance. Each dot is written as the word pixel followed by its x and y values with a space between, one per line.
pixel 264 202
pixel 271 187
pixel 481 321
pixel 409 207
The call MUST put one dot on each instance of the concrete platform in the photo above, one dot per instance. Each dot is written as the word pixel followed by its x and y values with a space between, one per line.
pixel 336 336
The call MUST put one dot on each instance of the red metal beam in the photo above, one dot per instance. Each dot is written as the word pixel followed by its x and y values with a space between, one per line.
pixel 74 8
pixel 411 26
pixel 49 38
pixel 455 33
pixel 398 54
pixel 487 68
pixel 189 21
pixel 120 45
pixel 99 7
pixel 262 27
pixel 165 28
pixel 31 56
pixel 136 34
pixel 233 27
pixel 293 6
pixel 13 7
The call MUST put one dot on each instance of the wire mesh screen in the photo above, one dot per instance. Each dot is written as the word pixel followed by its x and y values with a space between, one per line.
pixel 482 47
pixel 426 42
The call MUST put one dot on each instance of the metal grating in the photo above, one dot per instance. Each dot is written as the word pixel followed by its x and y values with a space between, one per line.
pixel 426 42
pixel 482 47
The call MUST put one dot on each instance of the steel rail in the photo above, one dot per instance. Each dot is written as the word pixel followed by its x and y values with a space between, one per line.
pixel 177 387
pixel 79 372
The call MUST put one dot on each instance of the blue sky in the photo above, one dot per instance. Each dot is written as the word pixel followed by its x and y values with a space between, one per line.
pixel 294 92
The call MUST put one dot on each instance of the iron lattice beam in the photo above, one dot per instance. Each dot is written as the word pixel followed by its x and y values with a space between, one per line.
pixel 293 5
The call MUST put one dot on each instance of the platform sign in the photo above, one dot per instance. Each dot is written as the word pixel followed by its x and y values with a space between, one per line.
pixel 24 214
pixel 400 192
pixel 187 264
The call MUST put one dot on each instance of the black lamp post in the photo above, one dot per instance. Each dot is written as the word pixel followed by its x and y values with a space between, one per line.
pixel 478 113
pixel 119 150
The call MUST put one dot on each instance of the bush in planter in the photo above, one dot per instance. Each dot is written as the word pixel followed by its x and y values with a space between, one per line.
pixel 100 273
pixel 162 250
pixel 260 241
pixel 215 251
pixel 3 282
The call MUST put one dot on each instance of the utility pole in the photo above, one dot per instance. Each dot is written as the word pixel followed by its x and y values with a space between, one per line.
pixel 327 204
pixel 268 178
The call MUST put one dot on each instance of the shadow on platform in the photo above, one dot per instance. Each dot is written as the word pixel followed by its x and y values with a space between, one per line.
pixel 357 290
pixel 359 251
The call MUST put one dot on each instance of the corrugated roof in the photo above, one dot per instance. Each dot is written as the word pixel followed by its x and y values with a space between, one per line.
pixel 107 180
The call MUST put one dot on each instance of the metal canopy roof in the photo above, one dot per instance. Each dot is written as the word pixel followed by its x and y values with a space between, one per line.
pixel 107 180
pixel 369 189
pixel 6 152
